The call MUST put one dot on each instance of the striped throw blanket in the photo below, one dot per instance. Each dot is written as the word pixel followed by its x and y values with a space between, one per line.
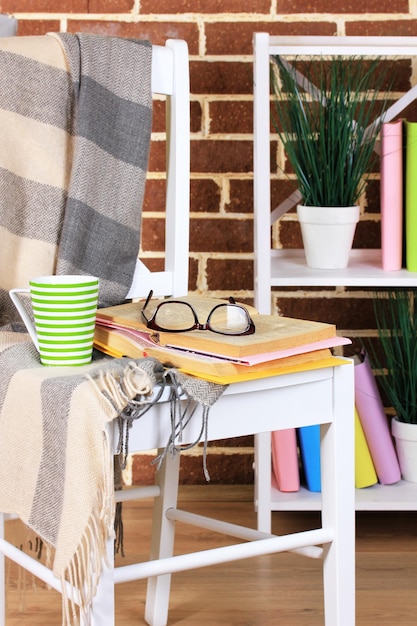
pixel 55 453
pixel 75 114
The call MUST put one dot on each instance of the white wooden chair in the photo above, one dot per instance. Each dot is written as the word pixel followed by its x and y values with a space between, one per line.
pixel 323 396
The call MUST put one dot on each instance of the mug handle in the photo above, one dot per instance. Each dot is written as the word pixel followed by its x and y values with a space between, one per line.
pixel 14 294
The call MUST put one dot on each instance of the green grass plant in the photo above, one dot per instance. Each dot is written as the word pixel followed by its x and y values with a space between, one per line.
pixel 328 114
pixel 396 319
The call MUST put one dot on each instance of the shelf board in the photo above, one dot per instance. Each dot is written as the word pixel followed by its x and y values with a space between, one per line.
pixel 288 268
pixel 401 496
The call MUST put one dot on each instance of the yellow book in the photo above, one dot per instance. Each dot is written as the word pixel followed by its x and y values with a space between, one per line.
pixel 365 474
pixel 272 332
pixel 119 343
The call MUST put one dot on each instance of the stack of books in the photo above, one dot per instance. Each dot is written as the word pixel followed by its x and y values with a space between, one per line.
pixel 279 344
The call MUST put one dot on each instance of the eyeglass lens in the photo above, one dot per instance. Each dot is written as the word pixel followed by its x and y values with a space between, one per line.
pixel 225 318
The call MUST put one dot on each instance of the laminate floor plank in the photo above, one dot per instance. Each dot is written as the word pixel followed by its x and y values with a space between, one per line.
pixel 274 590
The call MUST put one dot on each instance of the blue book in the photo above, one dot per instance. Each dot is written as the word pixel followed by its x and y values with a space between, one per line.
pixel 309 444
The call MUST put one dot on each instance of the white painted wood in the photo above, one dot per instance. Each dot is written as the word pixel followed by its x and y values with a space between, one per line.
pixel 401 496
pixel 287 268
pixel 170 76
pixel 364 270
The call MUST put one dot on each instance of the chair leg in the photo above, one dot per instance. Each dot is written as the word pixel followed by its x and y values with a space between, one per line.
pixel 162 543
pixel 2 578
pixel 102 609
pixel 263 481
pixel 338 504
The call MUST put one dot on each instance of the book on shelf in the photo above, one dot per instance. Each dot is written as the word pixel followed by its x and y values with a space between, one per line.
pixel 285 466
pixel 365 474
pixel 272 332
pixel 309 442
pixel 374 423
pixel 391 194
pixel 411 197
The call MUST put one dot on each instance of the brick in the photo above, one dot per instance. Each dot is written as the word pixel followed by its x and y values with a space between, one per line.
pixel 196 116
pixel 324 6
pixel 204 6
pixel 290 234
pixel 221 156
pixel 44 6
pixel 280 190
pixel 237 37
pixel 153 234
pixel 159 116
pixel 204 196
pixel 373 197
pixel 110 6
pixel 393 28
pixel 345 313
pixel 37 27
pixel 229 274
pixel 241 196
pixel 231 117
pixel 155 194
pixel 208 156
pixel 221 77
pixel 193 268
pixel 156 32
pixel 221 235
pixel 367 235
pixel 157 157
pixel 223 468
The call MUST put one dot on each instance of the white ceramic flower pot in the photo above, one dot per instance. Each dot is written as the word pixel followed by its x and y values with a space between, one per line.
pixel 405 436
pixel 327 235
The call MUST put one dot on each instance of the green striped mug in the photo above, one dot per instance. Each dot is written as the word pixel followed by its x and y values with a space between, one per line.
pixel 64 310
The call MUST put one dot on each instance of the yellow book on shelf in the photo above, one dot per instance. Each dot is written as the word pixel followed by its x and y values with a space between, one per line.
pixel 365 474
pixel 272 332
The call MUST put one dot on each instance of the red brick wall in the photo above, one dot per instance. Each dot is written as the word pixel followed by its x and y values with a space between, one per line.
pixel 219 35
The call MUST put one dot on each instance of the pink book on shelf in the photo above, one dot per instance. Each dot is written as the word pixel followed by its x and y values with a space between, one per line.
pixel 392 195
pixel 375 423
pixel 285 460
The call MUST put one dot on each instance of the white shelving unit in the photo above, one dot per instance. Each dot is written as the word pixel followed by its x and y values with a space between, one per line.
pixel 283 268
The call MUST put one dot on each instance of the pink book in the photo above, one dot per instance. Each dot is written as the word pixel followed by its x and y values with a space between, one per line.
pixel 392 195
pixel 375 424
pixel 285 460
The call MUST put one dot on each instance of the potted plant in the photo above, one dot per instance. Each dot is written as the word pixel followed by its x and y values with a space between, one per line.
pixel 328 124
pixel 396 319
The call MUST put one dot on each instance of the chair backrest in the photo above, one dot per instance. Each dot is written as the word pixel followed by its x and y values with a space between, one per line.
pixel 170 77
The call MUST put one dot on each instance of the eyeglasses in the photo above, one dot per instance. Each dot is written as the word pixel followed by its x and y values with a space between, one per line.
pixel 177 316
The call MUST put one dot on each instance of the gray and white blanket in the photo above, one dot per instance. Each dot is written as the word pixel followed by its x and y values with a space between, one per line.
pixel 75 113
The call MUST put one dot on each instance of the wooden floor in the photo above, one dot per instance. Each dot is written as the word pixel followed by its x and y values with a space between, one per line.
pixel 283 589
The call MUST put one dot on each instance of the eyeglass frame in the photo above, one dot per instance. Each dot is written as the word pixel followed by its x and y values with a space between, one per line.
pixel 150 323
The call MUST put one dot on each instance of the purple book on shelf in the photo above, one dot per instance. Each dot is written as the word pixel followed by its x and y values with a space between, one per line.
pixel 285 460
pixel 392 195
pixel 375 424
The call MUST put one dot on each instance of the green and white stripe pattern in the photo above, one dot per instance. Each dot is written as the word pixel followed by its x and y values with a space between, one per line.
pixel 64 310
